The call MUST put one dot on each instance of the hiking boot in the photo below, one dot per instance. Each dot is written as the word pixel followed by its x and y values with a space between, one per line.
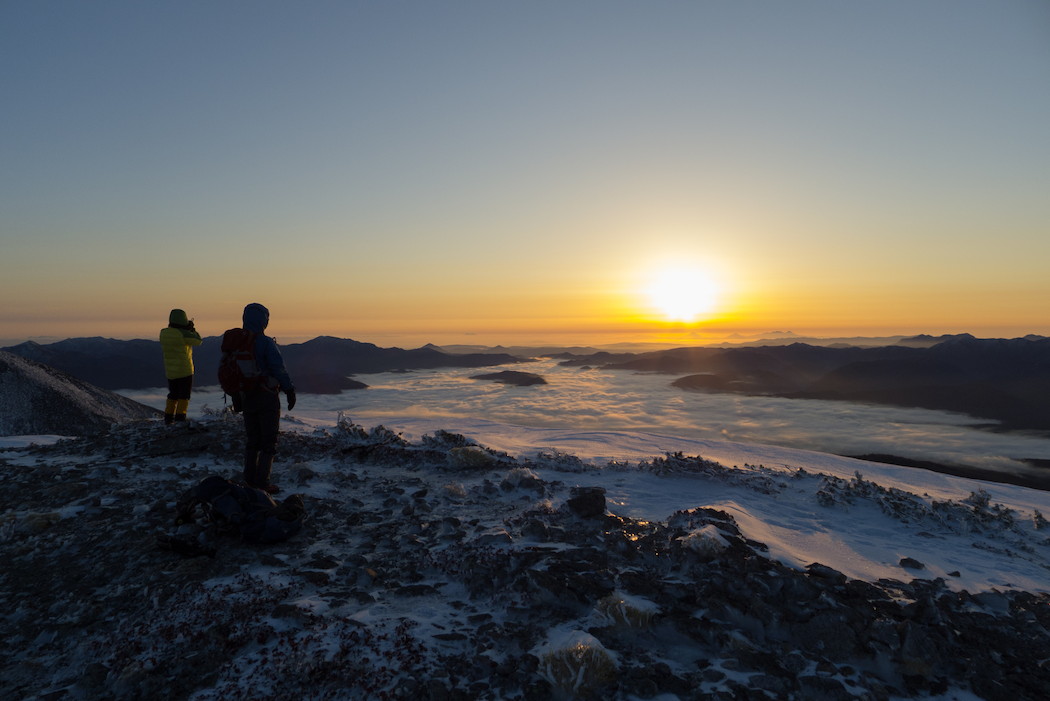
pixel 169 419
pixel 271 489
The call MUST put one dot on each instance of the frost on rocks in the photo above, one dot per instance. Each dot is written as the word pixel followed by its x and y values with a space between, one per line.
pixel 706 542
pixel 576 663
pixel 470 458
pixel 418 577
pixel 620 608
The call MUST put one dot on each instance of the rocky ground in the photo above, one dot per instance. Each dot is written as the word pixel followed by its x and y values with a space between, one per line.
pixel 443 570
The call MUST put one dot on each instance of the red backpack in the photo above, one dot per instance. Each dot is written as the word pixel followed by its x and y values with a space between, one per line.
pixel 238 370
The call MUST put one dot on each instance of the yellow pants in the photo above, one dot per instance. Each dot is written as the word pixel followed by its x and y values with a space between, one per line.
pixel 176 409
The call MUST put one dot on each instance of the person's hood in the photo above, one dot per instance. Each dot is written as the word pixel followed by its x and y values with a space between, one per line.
pixel 178 318
pixel 256 317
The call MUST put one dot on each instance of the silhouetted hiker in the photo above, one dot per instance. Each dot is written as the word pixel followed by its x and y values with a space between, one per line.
pixel 262 404
pixel 177 341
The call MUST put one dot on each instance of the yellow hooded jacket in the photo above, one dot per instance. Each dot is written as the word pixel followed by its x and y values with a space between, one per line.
pixel 177 342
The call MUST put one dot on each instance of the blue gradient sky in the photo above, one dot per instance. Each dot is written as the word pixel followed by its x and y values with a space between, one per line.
pixel 496 171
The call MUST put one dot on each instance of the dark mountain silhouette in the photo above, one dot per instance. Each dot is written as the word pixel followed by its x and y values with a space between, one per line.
pixel 349 357
pixel 321 365
pixel 104 362
pixel 783 338
pixel 520 351
pixel 598 358
pixel 37 399
pixel 512 377
pixel 1004 380
pixel 311 382
pixel 924 340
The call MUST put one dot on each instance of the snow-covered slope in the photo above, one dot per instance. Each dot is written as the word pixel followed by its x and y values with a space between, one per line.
pixel 796 532
pixel 37 399
pixel 543 563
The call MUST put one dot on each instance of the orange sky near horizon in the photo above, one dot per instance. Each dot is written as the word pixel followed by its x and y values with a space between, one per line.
pixel 600 316
pixel 520 173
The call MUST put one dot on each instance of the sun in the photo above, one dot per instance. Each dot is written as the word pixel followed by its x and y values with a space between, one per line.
pixel 682 294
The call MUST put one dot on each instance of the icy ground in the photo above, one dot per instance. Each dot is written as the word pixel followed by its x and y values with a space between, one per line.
pixel 482 560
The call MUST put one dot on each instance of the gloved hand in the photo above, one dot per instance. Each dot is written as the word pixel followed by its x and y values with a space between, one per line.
pixel 290 394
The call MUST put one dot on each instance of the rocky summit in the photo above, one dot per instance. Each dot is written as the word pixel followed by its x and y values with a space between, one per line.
pixel 441 569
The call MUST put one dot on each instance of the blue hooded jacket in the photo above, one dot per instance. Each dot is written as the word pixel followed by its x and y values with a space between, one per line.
pixel 256 318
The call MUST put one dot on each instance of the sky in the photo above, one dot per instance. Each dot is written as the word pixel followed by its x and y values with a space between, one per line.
pixel 543 172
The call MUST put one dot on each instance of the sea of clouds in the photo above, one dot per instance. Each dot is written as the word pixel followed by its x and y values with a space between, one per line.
pixel 594 399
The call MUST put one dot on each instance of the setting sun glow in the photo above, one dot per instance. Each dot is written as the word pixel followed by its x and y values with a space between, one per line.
pixel 682 294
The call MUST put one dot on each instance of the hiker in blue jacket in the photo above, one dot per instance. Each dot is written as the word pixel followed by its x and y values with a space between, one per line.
pixel 262 406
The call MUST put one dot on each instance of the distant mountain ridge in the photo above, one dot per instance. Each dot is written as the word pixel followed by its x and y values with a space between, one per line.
pixel 784 338
pixel 1001 380
pixel 321 365
pixel 1005 380
pixel 104 362
pixel 38 400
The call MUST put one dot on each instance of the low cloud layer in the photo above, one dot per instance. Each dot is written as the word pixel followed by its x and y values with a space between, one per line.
pixel 617 400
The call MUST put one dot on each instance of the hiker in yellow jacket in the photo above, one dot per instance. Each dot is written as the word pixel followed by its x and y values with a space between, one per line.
pixel 177 342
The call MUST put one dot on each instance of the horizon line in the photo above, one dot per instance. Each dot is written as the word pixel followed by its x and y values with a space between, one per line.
pixel 733 339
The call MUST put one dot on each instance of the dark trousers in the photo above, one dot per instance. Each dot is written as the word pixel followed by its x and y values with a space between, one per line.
pixel 180 387
pixel 262 416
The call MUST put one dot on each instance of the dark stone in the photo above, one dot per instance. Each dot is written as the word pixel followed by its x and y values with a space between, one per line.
pixel 436 690
pixel 314 577
pixel 415 590
pixel 322 562
pixel 588 502
pixel 777 686
pixel 794 662
pixel 816 688
pixel 827 632
pixel 449 636
pixel 827 573
pixel 536 529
